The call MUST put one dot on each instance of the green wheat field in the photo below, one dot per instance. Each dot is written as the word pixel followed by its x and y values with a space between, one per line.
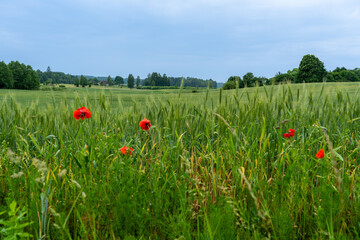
pixel 214 164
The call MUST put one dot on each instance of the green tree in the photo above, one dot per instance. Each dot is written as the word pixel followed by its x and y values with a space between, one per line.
pixel 110 81
pixel 19 74
pixel 32 79
pixel 119 80
pixel 76 82
pixel 6 78
pixel 249 79
pixel 283 77
pixel 83 81
pixel 130 81
pixel 24 76
pixel 137 81
pixel 311 69
pixel 342 75
pixel 231 83
pixel 260 80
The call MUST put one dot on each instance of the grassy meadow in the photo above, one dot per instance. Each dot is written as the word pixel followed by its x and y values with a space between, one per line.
pixel 214 164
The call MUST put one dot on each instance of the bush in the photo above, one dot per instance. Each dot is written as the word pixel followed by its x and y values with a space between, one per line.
pixel 53 88
pixel 229 85
pixel 157 87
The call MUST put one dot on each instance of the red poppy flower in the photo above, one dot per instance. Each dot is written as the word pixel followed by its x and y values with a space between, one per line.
pixel 82 113
pixel 320 154
pixel 125 150
pixel 291 134
pixel 292 130
pixel 145 124
pixel 286 135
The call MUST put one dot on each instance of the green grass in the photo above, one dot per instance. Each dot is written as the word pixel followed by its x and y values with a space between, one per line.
pixel 112 94
pixel 209 168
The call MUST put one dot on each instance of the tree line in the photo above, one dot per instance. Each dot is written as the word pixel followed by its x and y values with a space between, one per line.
pixel 310 70
pixel 20 76
pixel 153 79
pixel 17 75
pixel 156 79
pixel 192 82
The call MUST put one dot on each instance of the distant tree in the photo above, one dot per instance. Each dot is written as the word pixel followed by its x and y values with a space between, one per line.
pixel 77 82
pixel 110 82
pixel 24 76
pixel 294 73
pixel 311 69
pixel 260 81
pixel 130 81
pixel 90 82
pixel 248 79
pixel 210 83
pixel 19 74
pixel 137 81
pixel 48 69
pixel 343 75
pixel 83 81
pixel 96 81
pixel 188 82
pixel 283 77
pixel 119 80
pixel 6 78
pixel 32 81
pixel 330 77
pixel 231 83
pixel 55 77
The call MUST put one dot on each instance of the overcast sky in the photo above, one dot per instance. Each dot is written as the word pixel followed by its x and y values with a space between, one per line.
pixel 199 38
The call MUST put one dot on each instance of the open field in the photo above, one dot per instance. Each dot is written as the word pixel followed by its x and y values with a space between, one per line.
pixel 215 164
pixel 127 97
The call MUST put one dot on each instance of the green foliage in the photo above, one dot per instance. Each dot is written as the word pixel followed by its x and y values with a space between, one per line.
pixel 157 87
pixel 343 75
pixel 95 81
pixel 110 81
pixel 283 78
pixel 53 88
pixel 192 82
pixel 55 77
pixel 119 80
pixel 83 81
pixel 130 81
pixel 77 82
pixel 260 81
pixel 14 226
pixel 137 81
pixel 229 85
pixel 311 69
pixel 249 79
pixel 155 79
pixel 24 76
pixel 6 78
